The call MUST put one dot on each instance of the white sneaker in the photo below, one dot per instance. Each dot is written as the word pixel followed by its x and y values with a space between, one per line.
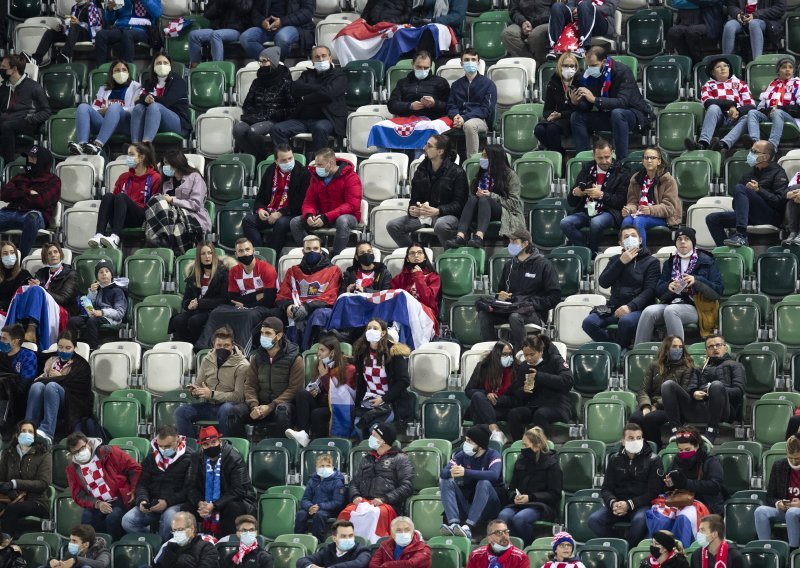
pixel 47 439
pixel 498 436
pixel 94 242
pixel 111 241
pixel 300 436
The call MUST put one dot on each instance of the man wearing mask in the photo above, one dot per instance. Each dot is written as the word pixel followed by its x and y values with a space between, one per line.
pixel 715 394
pixel 759 199
pixel 530 283
pixel 285 23
pixel 23 105
pixel 344 550
pixel 186 548
pixel 714 549
pixel 161 491
pixel 404 547
pixel 102 479
pixel 321 108
pixel 249 555
pixel 219 487
pixel 32 196
pixel 633 479
pixel 480 471
pixel 421 92
pixel 220 387
pixel 84 548
pixel 632 277
pixel 498 551
pixel 472 101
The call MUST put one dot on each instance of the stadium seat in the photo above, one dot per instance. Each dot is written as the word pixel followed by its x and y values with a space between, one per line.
pixel 792 32
pixel 516 126
pixel 457 272
pixel 276 514
pixel 428 464
pixel 62 85
pixel 604 420
pixel 513 77
pixel 486 32
pixel 229 223
pixel 581 463
pixel 359 123
pixel 570 273
pixel 544 223
pixel 763 557
pixel 146 275
pixel 574 166
pixel 694 175
pixel 742 319
pixel 739 515
pixel 228 178
pixel 441 418
pixel 214 130
pixel 777 274
pixel 538 174
pixel 430 369
pixel 383 176
pixel 150 322
pixel 81 177
pixel 328 28
pixel 769 420
pixel 445 555
pixel 569 315
pixel 286 554
pixel 674 124
pixel 66 514
pixel 209 84
pixel 464 321
pixel 163 369
pixel 645 34
pixel 426 512
pixel 662 83
pixel 737 468
pixel 577 510
pixel 137 448
pixel 454 70
pixel 121 417
pixel 361 87
pixel 113 364
pixel 131 554
pixel 60 132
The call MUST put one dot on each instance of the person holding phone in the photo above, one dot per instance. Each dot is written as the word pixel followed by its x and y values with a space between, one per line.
pixel 559 102
pixel 81 24
pixel 783 496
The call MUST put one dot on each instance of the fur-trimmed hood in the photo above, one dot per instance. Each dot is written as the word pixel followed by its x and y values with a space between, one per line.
pixel 400 349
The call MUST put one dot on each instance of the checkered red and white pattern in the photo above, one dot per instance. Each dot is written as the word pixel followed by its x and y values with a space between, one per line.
pixel 93 476
pixel 378 297
pixel 732 89
pixel 780 93
pixel 375 375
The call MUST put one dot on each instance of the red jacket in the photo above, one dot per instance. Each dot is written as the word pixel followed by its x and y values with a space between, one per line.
pixel 319 286
pixel 136 186
pixel 511 558
pixel 18 194
pixel 427 285
pixel 120 473
pixel 415 555
pixel 342 195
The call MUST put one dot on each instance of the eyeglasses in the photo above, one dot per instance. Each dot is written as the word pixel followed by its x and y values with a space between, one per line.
pixel 78 450
pixel 416 253
pixel 504 532
pixel 715 346
pixel 569 66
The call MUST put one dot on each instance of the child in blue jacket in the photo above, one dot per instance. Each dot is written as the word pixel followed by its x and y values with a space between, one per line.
pixel 323 498
pixel 106 303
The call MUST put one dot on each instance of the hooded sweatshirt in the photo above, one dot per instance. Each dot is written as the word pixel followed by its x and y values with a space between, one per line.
pixel 111 300
pixel 24 101
pixel 47 186
pixel 140 188
pixel 120 473
pixel 314 286
pixel 532 281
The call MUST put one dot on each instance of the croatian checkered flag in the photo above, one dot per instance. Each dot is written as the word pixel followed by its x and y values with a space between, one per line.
pixel 175 27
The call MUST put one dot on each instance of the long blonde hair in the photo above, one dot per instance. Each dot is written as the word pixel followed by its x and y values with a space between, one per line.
pixel 198 265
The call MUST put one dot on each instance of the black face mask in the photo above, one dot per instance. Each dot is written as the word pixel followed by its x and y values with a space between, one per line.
pixel 366 259
pixel 655 552
pixel 222 355
pixel 6 75
pixel 529 454
pixel 264 71
pixel 247 260
pixel 207 266
pixel 212 451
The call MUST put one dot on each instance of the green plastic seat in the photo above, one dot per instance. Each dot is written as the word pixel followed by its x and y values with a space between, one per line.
pixel 165 254
pixel 309 541
pixel 618 544
pixel 627 398
pixel 60 132
pixel 677 122
pixel 146 275
pixel 762 557
pixel 150 323
pixel 768 459
pixel 464 320
pixel 241 445
pixel 426 512
pixel 444 447
pixel 732 270
pixel 759 74
pixel 441 418
pixel 296 490
pixel 645 33
pixel 777 274
pixel 740 520
pixel 210 83
pixel 517 128
pixel 569 270
pixel 740 322
pixel 142 445
pixel 574 166
pixel 577 511
pixel 662 83
pixel 445 555
pixel 131 554
pixel 486 34
pixel 637 361
pixel 121 417
pixel 428 463
pixel 286 554
pixel 61 86
pixel 276 514
pixel 604 420
pixel 792 32
pixel 737 467
pixel 581 463
pixel 226 180
pixel 165 406
pixel 67 514
pixel 591 371
pixel 360 85
pixel 229 225
pixel 786 321
pixel 538 172
pixel 545 223
pixel 693 175
pixel 761 371
pixel 269 467
pixel 457 273
pixel 628 61
pixel 770 418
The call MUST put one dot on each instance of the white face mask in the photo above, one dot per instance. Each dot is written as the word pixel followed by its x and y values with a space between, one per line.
pixel 507 360
pixel 630 242
pixel 247 538
pixel 568 73
pixel 180 537
pixel 324 472
pixel 794 467
pixel 403 539
pixel 120 77
pixel 373 335
pixel 83 456
pixel 162 69
pixel 322 66
pixel 468 448
pixel 634 446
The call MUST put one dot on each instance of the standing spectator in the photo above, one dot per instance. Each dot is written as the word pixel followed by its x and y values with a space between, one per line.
pixel 778 104
pixel 757 18
pixel 12 275
pixel 107 301
pixel 592 17
pixel 490 388
pixel 692 25
pixel 498 551
pixel 558 106
pixel 528 35
pixel 227 19
pixel 472 101
pixel 250 554
pixel 163 105
pixel 365 274
pixel 343 551
pixel 404 547
pixel 186 548
pixel 84 548
pixel 286 23
pixel 783 496
pixel 81 24
pixel 714 549
pixel 323 498
pixel 25 111
pixel 128 23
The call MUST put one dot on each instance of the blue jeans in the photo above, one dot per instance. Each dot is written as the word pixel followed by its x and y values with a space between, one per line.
pixel 110 524
pixel 765 516
pixel 149 120
pixel 44 402
pixel 520 521
pixel 320 131
pixel 620 121
pixel 756 29
pixel 88 120
pixel 252 40
pixel 485 503
pixel 29 222
pixel 127 39
pixel 714 117
pixel 642 223
pixel 319 523
pixel 229 415
pixel 135 521
pixel 203 36
pixel 595 327
pixel 571 227
pixel 749 208
pixel 778 118
pixel 602 522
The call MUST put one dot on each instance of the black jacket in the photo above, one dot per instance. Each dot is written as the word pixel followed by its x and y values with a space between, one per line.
pixel 235 480
pixel 8 287
pixel 394 11
pixel 771 11
pixel 298 185
pixel 325 92
pixel 78 399
pixel 534 11
pixel 410 89
pixel 677 561
pixel 32 472
pixel 169 485
pixel 258 558
pixel 730 373
pixel 556 99
pixel 638 480
pixel 389 477
pixel 398 380
pixel 551 388
pixel 778 485
pixel 735 559
pixel 541 480
pixel 229 14
pixel 29 102
pixel 615 188
pixel 707 279
pixel 175 98
pixel 196 554
pixel 358 557
pixel 772 184
pixel 623 93
pixel 532 282
pixel 383 279
pixel 297 13
pixel 216 293
pixel 632 284
pixel 709 488
pixel 445 189
pixel 11 557
pixel 270 97
pixel 65 288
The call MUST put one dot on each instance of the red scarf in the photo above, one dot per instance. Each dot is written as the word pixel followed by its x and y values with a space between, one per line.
pixel 244 551
pixel 654 563
pixel 162 463
pixel 280 195
pixel 720 560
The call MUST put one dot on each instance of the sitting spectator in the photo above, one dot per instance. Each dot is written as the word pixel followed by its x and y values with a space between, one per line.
pixel 26 473
pixel 84 548
pixel 61 396
pixel 421 92
pixel 322 499
pixel 250 554
pixel 715 393
pixel 783 497
pixel 727 101
pixel 452 13
pixel 632 480
pixel 333 200
pixel 542 390
pixel 186 548
pixel 325 406
pixel 438 194
pixel 592 19
pixel 11 554
pixel 275 376
pixel 104 305
pixel 490 388
pixel 163 105
pixel 391 11
pixel 756 19
pixel 81 24
pixel 227 20
pixel 177 219
pixel 320 106
pixel 498 551
pixel 778 104
pixel 220 387
pixel 534 492
pixel 279 200
pixel 714 549
pixel 692 25
pixel 268 101
pixel 419 278
pixel 652 196
pixel 125 206
pixel 285 23
pixel 479 468
pixel 365 274
pixel 608 99
pixel 405 547
pixel 217 504
pixel 384 478
pixel 665 550
pixel 109 113
pixel 495 196
pixel 555 123
pixel 127 23
pixel 102 480
pixel 759 198
pixel 18 366
pixel 689 279
pixel 12 275
pixel 472 106
pixel 563 552
pixel 23 113
pixel 792 217
pixel 528 35
pixel 672 363
pixel 600 193
pixel 632 277
pixel 162 489
pixel 343 551
pixel 32 198
pixel 382 379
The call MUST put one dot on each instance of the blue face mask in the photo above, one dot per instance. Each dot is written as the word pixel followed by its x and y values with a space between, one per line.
pixel 483 163
pixel 630 242
pixel 73 548
pixel 345 544
pixel 322 66
pixel 287 167
pixel 593 72
pixel 5 347
pixel 65 355
pixel 421 74
pixel 25 439
pixel 514 249
pixel 266 342
pixel 130 161
pixel 9 260
pixel 752 159
pixel 168 452
pixel 167 171
pixel 312 257
pixel 507 360
pixel 470 67
pixel 321 172
pixel 374 443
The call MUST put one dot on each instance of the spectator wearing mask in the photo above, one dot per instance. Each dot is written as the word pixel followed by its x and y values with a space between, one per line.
pixel 250 554
pixel 757 19
pixel 84 548
pixel 227 19
pixel 12 275
pixel 472 101
pixel 365 274
pixel 186 548
pixel 23 105
pixel 343 550
pixel 419 278
pixel 126 23
pixel 163 105
pixel 421 92
pixel 498 550
pixel 558 106
pixel 490 388
pixel 714 549
pixel 783 496
pixel 105 304
pixel 405 547
pixel 285 23
pixel 322 499
pixel 665 551
pixel 778 104
pixel 18 364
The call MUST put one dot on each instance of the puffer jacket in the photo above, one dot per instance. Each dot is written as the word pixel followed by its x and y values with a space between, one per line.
pixel 235 484
pixel 536 12
pixel 64 288
pixel 111 300
pixel 707 279
pixel 410 89
pixel 340 196
pixel 30 102
pixel 730 373
pixel 169 485
pixel 388 477
pixel 512 217
pixel 383 278
pixel 120 471
pixel 276 381
pixel 328 493
pixel 217 291
pixel 226 382
pixel 270 97
pixel 398 379
pixel 416 555
pixel 322 90
pixel 33 472
pixel 649 394
pixel 708 488
pixel 446 188
pixel 541 479
pixel 229 14
pixel 533 282
pixel 394 11
pixel 198 553
pixel 664 194
pixel 632 284
pixel 553 382
pixel 637 481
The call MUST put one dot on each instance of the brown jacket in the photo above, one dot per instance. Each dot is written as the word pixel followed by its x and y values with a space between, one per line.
pixel 33 472
pixel 226 382
pixel 667 203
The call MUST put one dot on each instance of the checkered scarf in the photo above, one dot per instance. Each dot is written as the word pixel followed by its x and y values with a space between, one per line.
pixel 780 93
pixel 162 463
pixel 731 89
pixel 645 198
pixel 170 227
pixel 213 480
pixel 138 9
pixel 677 273
pixel 95 480
pixel 244 551
pixel 375 376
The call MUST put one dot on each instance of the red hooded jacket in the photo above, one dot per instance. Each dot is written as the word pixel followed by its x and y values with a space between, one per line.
pixel 427 286
pixel 319 286
pixel 415 555
pixel 137 187
pixel 342 195
pixel 511 558
pixel 120 473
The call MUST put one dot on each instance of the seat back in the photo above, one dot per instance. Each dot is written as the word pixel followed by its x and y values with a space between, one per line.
pixel 441 418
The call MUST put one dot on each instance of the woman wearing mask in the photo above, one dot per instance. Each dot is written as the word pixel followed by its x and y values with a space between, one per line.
pixel 557 104
pixel 490 388
pixel 495 197
pixel 163 105
pixel 563 555
pixel 365 274
pixel 12 275
pixel 652 196
pixel 535 489
pixel 665 552
pixel 110 113
pixel 673 363
pixel 177 219
pixel 419 279
pixel 783 496
pixel 26 472
pixel 125 206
